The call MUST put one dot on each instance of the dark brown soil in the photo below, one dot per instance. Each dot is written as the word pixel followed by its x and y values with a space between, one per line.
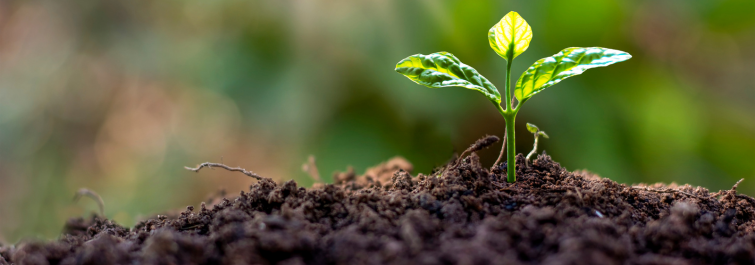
pixel 469 215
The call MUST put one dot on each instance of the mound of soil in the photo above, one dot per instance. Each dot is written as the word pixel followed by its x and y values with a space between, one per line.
pixel 465 215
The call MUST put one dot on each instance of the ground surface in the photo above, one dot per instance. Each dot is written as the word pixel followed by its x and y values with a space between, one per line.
pixel 469 215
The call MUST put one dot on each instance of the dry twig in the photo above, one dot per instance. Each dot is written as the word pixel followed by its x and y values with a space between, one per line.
pixel 734 188
pixel 503 150
pixel 670 191
pixel 94 196
pixel 236 169
pixel 749 199
pixel 480 144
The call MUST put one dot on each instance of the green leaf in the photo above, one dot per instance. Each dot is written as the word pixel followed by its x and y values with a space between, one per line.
pixel 511 36
pixel 566 63
pixel 443 69
pixel 532 128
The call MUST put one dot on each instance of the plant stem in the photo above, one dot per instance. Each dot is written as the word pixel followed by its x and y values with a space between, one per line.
pixel 533 152
pixel 510 149
pixel 510 117
pixel 507 87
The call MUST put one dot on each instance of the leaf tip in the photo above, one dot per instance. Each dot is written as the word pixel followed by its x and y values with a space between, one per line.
pixel 532 128
pixel 620 55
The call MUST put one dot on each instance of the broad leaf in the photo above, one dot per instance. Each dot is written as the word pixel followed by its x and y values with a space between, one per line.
pixel 511 36
pixel 566 63
pixel 443 69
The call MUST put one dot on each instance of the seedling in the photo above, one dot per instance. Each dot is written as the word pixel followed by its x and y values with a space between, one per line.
pixel 509 38
pixel 93 195
pixel 537 132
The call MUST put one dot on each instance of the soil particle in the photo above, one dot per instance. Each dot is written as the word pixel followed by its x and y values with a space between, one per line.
pixel 464 214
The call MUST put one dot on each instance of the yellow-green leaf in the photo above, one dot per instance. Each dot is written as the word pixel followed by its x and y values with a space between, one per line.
pixel 511 36
pixel 443 69
pixel 566 63
pixel 532 128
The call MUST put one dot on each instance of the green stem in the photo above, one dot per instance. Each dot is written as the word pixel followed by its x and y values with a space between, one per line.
pixel 510 116
pixel 510 149
pixel 507 87
pixel 532 153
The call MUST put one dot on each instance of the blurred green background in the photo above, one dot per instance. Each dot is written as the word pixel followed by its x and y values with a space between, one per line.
pixel 119 95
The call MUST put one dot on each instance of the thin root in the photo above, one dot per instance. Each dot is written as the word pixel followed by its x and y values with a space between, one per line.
pixel 503 150
pixel 236 169
pixel 94 196
pixel 478 145
pixel 733 188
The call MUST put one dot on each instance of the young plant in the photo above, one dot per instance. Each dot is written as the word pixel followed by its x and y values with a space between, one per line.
pixel 537 132
pixel 509 38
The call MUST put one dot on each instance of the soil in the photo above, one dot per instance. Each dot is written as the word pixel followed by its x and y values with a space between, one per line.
pixel 466 214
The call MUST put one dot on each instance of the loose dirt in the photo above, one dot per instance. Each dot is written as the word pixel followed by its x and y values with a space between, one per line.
pixel 467 215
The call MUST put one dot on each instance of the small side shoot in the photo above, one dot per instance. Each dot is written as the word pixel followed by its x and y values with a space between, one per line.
pixel 537 132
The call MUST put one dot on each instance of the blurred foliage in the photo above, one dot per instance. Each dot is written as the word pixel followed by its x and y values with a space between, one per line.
pixel 117 96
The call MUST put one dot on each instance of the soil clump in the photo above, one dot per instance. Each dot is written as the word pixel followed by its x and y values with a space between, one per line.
pixel 465 214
